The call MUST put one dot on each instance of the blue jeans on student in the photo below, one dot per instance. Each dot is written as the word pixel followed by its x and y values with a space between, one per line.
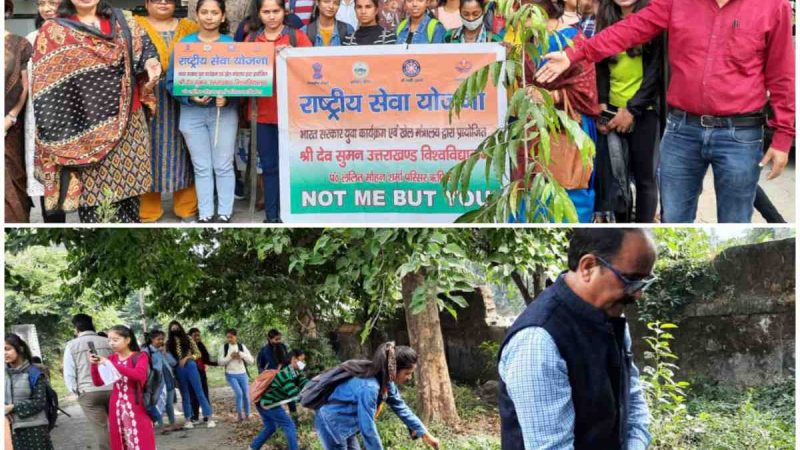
pixel 273 419
pixel 189 379
pixel 198 124
pixel 238 382
pixel 329 442
pixel 686 152
pixel 169 408
pixel 267 136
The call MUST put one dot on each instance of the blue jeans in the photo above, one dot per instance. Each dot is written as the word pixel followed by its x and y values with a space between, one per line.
pixel 238 382
pixel 329 442
pixel 169 408
pixel 267 136
pixel 189 378
pixel 686 152
pixel 274 418
pixel 197 124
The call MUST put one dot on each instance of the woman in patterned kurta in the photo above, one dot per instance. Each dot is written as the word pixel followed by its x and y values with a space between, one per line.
pixel 94 68
pixel 129 425
pixel 172 164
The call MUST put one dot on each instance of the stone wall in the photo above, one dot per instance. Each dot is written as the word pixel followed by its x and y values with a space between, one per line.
pixel 745 335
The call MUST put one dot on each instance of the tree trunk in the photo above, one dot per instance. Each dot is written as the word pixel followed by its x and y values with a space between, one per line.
pixel 434 390
pixel 307 323
pixel 140 297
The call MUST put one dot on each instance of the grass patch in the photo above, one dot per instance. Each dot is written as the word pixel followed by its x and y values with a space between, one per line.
pixel 723 417
pixel 480 428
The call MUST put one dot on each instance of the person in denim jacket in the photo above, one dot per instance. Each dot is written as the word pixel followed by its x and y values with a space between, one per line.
pixel 355 405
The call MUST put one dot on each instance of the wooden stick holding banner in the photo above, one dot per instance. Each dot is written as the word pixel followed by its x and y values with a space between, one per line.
pixel 252 161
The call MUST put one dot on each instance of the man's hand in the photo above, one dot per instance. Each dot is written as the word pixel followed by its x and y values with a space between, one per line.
pixel 622 122
pixel 430 440
pixel 557 63
pixel 779 160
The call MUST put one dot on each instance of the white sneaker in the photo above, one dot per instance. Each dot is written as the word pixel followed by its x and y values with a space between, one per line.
pixel 188 425
pixel 211 424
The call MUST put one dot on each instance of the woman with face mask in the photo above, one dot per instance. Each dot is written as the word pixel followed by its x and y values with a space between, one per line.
pixel 354 405
pixel 473 28
pixel 284 389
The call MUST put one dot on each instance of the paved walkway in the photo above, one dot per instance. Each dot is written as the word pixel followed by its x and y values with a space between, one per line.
pixel 74 433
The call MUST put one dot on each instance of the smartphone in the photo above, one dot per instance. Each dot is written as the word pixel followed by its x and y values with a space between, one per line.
pixel 606 115
pixel 92 349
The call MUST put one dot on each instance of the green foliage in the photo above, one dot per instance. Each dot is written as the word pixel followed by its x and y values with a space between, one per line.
pixel 715 417
pixel 490 351
pixel 106 210
pixel 684 270
pixel 530 124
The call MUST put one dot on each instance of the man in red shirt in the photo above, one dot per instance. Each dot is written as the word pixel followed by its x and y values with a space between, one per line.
pixel 727 58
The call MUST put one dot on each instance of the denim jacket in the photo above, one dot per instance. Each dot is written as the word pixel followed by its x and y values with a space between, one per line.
pixel 421 35
pixel 336 38
pixel 352 406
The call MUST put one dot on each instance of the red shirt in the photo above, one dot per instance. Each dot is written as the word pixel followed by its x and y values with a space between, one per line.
pixel 723 61
pixel 268 106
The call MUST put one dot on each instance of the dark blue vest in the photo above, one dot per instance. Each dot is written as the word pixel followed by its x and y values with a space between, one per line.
pixel 593 346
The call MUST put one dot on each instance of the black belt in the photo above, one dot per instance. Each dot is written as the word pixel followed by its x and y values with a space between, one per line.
pixel 756 119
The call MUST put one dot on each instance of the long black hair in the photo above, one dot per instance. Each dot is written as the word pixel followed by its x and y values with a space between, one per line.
pixel 223 27
pixel 67 9
pixel 177 337
pixel 554 9
pixel 254 23
pixel 610 13
pixel 126 332
pixel 378 367
pixel 20 346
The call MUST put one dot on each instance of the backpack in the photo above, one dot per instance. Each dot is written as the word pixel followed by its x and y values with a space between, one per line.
pixel 312 31
pixel 151 390
pixel 431 28
pixel 316 392
pixel 51 397
pixel 241 349
pixel 260 385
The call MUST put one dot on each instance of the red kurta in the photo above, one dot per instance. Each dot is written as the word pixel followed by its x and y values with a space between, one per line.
pixel 129 425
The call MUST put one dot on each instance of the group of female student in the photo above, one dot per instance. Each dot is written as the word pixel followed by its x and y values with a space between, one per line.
pixel 351 409
pixel 153 142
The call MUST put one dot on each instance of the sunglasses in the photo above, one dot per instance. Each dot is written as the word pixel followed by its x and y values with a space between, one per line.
pixel 632 286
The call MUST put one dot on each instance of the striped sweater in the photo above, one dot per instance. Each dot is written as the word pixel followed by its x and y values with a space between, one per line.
pixel 286 385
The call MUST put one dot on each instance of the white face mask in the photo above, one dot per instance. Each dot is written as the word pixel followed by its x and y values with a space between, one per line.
pixel 472 25
pixel 301 365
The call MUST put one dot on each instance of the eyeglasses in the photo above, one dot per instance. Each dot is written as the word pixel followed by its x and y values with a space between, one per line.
pixel 632 286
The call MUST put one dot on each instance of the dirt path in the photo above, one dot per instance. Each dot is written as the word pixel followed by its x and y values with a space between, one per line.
pixel 74 433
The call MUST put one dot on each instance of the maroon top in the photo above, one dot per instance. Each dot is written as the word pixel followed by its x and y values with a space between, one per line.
pixel 723 60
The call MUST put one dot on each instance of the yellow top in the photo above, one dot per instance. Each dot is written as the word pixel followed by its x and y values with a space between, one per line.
pixel 326 34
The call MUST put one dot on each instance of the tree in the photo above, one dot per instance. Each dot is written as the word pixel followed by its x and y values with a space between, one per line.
pixel 530 124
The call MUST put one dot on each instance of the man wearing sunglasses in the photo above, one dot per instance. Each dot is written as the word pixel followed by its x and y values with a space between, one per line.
pixel 567 379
